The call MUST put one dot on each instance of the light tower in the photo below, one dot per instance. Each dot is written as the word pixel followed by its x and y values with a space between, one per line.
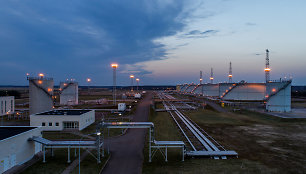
pixel 230 74
pixel 267 69
pixel 201 77
pixel 137 80
pixel 114 66
pixel 88 81
pixel 211 75
pixel 132 77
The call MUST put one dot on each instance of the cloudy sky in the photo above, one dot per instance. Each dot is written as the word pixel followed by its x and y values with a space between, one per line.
pixel 159 41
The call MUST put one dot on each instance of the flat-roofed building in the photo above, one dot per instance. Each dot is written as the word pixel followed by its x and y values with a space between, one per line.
pixel 15 146
pixel 7 105
pixel 58 120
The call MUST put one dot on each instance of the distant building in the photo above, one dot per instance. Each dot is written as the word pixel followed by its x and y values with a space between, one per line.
pixel 7 105
pixel 15 147
pixel 57 120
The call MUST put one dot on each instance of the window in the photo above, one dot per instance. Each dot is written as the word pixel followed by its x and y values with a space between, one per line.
pixel 71 125
pixel 50 123
pixel 43 124
pixel 56 124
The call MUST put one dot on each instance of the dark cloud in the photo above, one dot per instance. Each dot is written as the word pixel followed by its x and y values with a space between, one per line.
pixel 79 37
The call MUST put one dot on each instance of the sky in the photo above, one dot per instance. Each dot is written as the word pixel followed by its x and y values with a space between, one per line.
pixel 161 42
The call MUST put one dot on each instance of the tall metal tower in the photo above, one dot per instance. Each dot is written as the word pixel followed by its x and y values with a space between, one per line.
pixel 132 77
pixel 211 76
pixel 230 74
pixel 114 66
pixel 201 77
pixel 267 69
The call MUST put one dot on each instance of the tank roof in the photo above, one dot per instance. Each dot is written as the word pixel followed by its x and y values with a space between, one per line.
pixel 9 131
pixel 65 112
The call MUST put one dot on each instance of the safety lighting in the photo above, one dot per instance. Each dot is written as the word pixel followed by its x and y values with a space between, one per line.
pixel 88 80
pixel 39 82
pixel 211 78
pixel 98 133
pixel 273 90
pixel 131 76
pixel 114 65
pixel 230 75
pixel 137 79
pixel 267 69
pixel 201 79
pixel 49 90
pixel 41 75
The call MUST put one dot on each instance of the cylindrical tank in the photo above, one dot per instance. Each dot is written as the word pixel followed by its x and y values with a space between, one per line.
pixel 40 93
pixel 69 93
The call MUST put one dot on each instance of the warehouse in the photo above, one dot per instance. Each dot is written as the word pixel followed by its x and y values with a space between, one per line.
pixel 58 120
pixel 7 105
pixel 15 147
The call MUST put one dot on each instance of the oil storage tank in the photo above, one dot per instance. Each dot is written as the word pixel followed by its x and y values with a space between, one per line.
pixel 40 93
pixel 69 93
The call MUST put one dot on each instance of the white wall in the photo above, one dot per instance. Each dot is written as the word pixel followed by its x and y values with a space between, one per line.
pixel 281 102
pixel 7 105
pixel 70 94
pixel 84 120
pixel 17 150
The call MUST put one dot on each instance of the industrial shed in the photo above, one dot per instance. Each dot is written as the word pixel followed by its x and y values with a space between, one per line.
pixel 58 120
pixel 15 147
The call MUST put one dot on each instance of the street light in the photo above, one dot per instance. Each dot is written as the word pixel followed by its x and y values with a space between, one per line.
pixel 88 81
pixel 114 66
pixel 137 80
pixel 132 77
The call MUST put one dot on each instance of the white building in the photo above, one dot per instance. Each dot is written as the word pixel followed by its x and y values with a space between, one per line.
pixel 15 146
pixel 57 120
pixel 7 105
pixel 69 93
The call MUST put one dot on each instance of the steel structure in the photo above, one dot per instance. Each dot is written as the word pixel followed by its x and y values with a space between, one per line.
pixel 200 143
pixel 267 69
pixel 201 77
pixel 132 77
pixel 153 144
pixel 114 66
pixel 97 144
pixel 230 74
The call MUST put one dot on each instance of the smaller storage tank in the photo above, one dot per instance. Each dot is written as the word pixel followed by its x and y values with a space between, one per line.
pixel 40 94
pixel 69 93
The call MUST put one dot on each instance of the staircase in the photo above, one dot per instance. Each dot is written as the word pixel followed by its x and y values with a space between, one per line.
pixel 277 91
pixel 38 86
pixel 233 87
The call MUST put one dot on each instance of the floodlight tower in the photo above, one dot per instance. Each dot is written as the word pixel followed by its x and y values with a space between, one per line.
pixel 114 66
pixel 137 80
pixel 230 74
pixel 88 81
pixel 132 77
pixel 211 75
pixel 201 77
pixel 267 69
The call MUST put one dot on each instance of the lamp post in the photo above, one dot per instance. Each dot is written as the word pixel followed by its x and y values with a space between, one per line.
pixel 137 80
pixel 88 81
pixel 132 77
pixel 114 66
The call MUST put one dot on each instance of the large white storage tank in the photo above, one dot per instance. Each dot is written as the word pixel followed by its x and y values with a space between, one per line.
pixel 40 92
pixel 278 96
pixel 69 93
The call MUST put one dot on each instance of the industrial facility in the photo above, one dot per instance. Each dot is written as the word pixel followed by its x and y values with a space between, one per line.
pixel 7 105
pixel 58 120
pixel 15 147
pixel 40 94
pixel 69 93
pixel 276 95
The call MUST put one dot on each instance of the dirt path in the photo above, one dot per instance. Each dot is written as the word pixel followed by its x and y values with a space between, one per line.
pixel 127 150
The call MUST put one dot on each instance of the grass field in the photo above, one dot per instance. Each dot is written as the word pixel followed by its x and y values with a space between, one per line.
pixel 265 144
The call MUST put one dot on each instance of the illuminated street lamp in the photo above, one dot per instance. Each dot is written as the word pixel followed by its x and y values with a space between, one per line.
pixel 41 75
pixel 137 80
pixel 114 66
pixel 132 77
pixel 88 81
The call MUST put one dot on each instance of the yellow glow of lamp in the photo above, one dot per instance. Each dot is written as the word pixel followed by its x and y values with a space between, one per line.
pixel 267 69
pixel 41 75
pixel 88 80
pixel 131 76
pixel 114 65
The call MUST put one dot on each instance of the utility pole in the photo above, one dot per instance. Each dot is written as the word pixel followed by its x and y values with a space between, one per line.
pixel 211 76
pixel 230 75
pixel 114 66
pixel 267 69
pixel 132 77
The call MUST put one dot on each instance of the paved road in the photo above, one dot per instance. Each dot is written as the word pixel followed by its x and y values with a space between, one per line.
pixel 127 150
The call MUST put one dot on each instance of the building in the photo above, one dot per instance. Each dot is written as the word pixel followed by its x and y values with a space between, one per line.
pixel 58 120
pixel 7 105
pixel 16 148
pixel 40 94
pixel 69 93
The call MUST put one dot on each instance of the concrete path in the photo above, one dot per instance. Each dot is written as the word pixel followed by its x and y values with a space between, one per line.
pixel 127 150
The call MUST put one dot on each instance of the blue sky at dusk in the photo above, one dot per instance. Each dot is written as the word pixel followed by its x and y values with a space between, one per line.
pixel 159 41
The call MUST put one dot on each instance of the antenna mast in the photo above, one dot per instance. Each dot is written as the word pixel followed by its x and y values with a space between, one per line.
pixel 267 69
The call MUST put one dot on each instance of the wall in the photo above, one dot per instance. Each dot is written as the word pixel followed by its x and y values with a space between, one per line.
pixel 281 102
pixel 19 148
pixel 10 105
